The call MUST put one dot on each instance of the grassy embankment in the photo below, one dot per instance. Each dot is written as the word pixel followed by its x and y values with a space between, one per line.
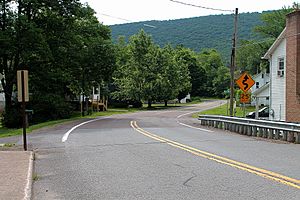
pixel 223 110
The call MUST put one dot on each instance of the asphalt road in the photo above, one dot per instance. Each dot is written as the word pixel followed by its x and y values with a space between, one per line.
pixel 161 155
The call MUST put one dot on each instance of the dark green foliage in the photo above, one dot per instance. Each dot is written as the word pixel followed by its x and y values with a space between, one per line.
pixel 12 118
pixel 197 33
pixel 196 71
pixel 211 61
pixel 50 107
pixel 221 81
pixel 250 51
pixel 147 72
pixel 64 48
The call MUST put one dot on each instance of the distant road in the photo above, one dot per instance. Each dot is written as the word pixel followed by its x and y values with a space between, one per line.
pixel 161 155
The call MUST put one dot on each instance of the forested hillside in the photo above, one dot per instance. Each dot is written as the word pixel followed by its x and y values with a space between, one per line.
pixel 214 31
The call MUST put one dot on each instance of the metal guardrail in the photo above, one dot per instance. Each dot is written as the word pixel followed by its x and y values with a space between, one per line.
pixel 252 127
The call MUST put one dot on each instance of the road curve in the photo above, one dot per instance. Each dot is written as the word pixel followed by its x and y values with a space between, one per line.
pixel 161 155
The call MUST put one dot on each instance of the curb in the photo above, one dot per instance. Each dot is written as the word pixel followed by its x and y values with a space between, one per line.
pixel 28 187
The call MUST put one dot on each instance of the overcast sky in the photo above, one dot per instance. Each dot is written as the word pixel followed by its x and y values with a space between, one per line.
pixel 144 10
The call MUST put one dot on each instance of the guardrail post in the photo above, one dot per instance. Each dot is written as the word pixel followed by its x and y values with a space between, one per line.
pixel 241 129
pixel 260 132
pixel 277 136
pixel 290 137
pixel 245 130
pixel 254 131
pixel 284 135
pixel 297 141
pixel 249 130
pixel 216 124
pixel 232 127
pixel 237 128
pixel 270 133
pixel 265 134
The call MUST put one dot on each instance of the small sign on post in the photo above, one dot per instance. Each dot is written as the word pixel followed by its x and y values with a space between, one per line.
pixel 21 84
pixel 23 96
pixel 245 82
pixel 245 97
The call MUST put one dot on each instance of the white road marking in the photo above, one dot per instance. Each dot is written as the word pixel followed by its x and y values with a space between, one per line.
pixel 66 135
pixel 201 129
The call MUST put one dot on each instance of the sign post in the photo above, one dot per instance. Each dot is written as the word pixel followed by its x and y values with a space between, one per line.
pixel 245 82
pixel 23 97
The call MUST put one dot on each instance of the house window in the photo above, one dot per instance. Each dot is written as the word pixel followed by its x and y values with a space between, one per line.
pixel 262 75
pixel 280 71
pixel 257 85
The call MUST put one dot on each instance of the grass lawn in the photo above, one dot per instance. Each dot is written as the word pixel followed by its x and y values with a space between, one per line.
pixel 7 132
pixel 222 110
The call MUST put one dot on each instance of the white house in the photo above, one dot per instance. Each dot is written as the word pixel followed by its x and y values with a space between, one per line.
pixel 261 88
pixel 277 59
pixel 284 59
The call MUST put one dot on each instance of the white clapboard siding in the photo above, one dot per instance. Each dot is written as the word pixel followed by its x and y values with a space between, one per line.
pixel 278 84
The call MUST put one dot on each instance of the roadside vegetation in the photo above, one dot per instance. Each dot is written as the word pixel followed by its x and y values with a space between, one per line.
pixel 67 52
pixel 7 132
pixel 224 110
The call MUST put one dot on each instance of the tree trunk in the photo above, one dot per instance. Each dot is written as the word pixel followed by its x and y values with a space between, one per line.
pixel 166 103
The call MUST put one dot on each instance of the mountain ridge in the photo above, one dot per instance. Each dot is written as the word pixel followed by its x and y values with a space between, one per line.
pixel 196 33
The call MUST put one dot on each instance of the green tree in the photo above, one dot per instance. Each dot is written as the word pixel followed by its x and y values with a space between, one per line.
pixel 250 51
pixel 147 72
pixel 54 40
pixel 197 73
pixel 173 76
pixel 210 60
pixel 273 23
pixel 221 82
pixel 136 78
pixel 249 56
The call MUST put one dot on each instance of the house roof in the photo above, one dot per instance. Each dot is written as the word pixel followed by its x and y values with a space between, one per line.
pixel 275 44
pixel 261 89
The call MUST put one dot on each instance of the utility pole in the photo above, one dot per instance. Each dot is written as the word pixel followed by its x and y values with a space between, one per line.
pixel 233 62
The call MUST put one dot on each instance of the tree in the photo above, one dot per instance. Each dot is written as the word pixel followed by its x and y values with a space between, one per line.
pixel 273 23
pixel 59 42
pixel 173 77
pixel 250 52
pixel 137 79
pixel 197 73
pixel 147 72
pixel 221 82
pixel 210 60
pixel 249 56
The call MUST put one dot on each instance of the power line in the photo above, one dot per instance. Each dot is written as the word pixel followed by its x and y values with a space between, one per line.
pixel 203 7
pixel 127 20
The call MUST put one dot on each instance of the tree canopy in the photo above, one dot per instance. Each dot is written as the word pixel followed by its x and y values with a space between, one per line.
pixel 61 44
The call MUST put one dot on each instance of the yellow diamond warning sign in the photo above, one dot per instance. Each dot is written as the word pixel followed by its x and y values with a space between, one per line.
pixel 245 82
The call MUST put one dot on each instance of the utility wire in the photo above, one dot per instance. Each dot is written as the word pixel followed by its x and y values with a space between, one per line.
pixel 203 7
pixel 127 20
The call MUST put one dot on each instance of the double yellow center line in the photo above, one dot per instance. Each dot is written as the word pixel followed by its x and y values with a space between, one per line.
pixel 223 160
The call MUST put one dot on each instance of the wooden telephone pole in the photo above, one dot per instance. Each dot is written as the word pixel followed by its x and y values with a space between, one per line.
pixel 233 62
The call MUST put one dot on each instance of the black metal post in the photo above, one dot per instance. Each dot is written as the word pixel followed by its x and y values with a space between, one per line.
pixel 23 111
